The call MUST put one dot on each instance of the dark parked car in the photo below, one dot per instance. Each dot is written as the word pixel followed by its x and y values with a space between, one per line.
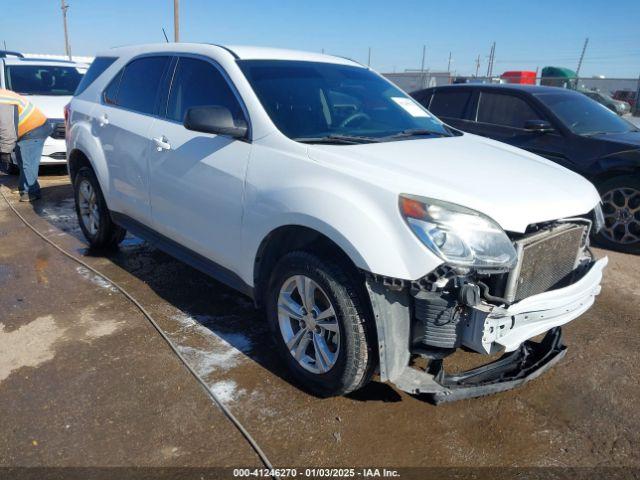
pixel 564 126
pixel 616 106
pixel 626 96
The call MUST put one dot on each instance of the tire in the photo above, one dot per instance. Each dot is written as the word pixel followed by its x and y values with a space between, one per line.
pixel 348 334
pixel 93 215
pixel 621 208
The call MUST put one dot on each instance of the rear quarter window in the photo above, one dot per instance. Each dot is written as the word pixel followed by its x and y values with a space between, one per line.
pixel 97 68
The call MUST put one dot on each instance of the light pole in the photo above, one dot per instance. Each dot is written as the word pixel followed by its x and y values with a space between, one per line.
pixel 67 47
pixel 176 20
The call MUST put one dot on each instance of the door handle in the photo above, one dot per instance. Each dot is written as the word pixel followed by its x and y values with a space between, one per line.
pixel 162 143
pixel 104 120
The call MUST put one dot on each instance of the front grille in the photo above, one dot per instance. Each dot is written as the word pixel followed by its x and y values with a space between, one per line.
pixel 58 131
pixel 545 259
pixel 58 156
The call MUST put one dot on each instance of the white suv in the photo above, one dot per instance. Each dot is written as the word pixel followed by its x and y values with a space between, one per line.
pixel 368 230
pixel 49 84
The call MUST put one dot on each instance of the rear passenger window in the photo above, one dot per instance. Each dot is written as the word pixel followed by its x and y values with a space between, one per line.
pixel 137 89
pixel 505 110
pixel 450 104
pixel 111 92
pixel 198 83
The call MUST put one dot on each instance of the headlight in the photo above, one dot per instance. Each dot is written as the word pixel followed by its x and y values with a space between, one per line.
pixel 458 235
pixel 598 218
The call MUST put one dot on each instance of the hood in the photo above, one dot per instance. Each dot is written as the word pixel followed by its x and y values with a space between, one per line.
pixel 51 105
pixel 627 139
pixel 512 186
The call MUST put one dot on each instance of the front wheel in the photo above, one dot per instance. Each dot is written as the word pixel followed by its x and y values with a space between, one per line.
pixel 621 209
pixel 318 318
pixel 93 214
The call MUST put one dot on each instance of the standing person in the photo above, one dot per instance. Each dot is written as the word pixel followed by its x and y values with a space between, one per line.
pixel 22 123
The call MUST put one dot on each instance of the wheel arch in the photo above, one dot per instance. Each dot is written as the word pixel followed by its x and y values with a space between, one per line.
pixel 85 149
pixel 609 174
pixel 286 238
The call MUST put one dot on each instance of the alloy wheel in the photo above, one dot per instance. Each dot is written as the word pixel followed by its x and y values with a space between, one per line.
pixel 621 208
pixel 88 205
pixel 308 324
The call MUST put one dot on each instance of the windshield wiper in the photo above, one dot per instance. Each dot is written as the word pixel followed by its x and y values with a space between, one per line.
pixel 417 132
pixel 337 139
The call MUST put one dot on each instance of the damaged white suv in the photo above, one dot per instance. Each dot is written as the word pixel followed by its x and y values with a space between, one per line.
pixel 369 231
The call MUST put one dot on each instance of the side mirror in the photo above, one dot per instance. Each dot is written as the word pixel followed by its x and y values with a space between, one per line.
pixel 538 126
pixel 213 119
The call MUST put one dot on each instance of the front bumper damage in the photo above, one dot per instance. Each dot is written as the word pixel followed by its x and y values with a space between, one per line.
pixel 484 328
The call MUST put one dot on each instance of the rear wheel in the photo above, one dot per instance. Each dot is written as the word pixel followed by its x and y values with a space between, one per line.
pixel 93 215
pixel 621 209
pixel 318 320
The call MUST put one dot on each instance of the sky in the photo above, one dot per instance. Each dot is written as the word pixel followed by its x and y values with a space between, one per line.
pixel 528 34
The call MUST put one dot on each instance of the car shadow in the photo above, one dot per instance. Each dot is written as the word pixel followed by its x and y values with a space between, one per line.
pixel 220 310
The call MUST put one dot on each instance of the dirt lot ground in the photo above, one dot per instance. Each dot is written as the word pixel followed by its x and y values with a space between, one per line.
pixel 86 381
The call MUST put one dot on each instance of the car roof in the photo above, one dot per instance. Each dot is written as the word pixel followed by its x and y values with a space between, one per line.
pixel 239 52
pixel 42 61
pixel 513 87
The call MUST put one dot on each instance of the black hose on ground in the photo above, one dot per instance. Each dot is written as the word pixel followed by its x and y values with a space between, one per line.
pixel 213 396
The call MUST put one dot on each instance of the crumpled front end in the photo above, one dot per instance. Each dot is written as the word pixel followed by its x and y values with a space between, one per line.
pixel 555 280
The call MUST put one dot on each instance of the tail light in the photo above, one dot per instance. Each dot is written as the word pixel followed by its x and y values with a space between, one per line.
pixel 67 117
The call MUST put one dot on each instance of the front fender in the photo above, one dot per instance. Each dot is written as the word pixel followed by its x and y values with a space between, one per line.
pixel 368 228
pixel 621 163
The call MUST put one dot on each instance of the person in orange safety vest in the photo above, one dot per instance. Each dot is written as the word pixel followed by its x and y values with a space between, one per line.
pixel 24 126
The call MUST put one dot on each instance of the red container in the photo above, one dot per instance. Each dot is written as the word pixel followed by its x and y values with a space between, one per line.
pixel 519 76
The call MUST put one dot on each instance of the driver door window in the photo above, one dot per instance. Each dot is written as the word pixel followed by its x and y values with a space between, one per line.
pixel 505 110
pixel 197 83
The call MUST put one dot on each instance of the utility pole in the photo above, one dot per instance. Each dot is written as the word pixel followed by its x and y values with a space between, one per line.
pixel 424 57
pixel 369 58
pixel 636 113
pixel 477 65
pixel 584 49
pixel 449 64
pixel 176 20
pixel 491 58
pixel 67 47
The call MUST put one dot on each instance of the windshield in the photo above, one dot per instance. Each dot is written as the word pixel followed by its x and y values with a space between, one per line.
pixel 43 79
pixel 584 116
pixel 312 100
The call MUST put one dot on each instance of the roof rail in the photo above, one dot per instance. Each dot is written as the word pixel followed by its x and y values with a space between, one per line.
pixel 7 53
pixel 235 55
